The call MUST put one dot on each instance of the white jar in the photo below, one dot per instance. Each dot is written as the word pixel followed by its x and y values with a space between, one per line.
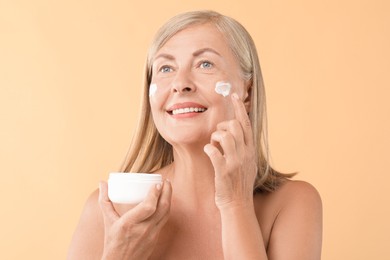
pixel 131 188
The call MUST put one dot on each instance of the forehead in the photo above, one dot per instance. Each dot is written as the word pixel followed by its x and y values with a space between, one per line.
pixel 197 37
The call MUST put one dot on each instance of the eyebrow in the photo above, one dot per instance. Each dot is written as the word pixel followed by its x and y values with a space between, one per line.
pixel 165 56
pixel 203 50
pixel 195 54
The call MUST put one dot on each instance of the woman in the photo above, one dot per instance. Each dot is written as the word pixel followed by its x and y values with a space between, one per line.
pixel 203 128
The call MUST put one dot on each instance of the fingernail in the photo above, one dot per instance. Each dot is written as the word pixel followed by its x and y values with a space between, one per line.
pixel 158 186
pixel 235 96
pixel 206 149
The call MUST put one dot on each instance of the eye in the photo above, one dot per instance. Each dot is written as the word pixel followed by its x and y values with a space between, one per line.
pixel 206 65
pixel 165 69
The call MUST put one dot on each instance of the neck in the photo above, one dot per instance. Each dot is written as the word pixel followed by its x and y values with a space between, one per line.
pixel 192 177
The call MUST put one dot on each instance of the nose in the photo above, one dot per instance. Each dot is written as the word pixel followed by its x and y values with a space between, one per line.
pixel 183 82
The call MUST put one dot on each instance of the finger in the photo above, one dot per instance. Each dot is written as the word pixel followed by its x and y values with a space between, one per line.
pixel 164 205
pixel 215 156
pixel 234 127
pixel 226 141
pixel 146 208
pixel 243 118
pixel 105 204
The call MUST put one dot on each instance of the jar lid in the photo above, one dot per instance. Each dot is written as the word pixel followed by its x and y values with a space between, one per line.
pixel 136 176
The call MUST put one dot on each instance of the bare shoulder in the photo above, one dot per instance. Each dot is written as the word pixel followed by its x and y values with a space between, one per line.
pixel 294 213
pixel 299 192
pixel 91 212
pixel 88 238
pixel 92 209
pixel 303 201
pixel 288 194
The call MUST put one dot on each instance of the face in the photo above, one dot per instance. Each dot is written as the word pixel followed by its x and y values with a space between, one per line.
pixel 185 106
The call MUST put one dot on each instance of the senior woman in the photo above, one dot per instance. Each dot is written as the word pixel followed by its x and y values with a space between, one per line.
pixel 203 128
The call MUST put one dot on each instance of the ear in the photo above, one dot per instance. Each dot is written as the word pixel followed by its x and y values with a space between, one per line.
pixel 248 95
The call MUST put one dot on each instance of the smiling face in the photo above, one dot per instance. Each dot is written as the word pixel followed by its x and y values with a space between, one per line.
pixel 185 106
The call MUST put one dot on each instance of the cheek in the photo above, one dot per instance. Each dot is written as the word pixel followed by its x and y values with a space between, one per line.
pixel 224 109
pixel 222 91
pixel 155 99
pixel 223 88
pixel 228 110
pixel 152 89
pixel 157 94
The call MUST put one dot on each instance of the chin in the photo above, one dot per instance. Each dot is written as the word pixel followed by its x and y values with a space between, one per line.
pixel 187 139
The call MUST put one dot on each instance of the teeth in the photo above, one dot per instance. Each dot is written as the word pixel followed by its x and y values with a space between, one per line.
pixel 188 110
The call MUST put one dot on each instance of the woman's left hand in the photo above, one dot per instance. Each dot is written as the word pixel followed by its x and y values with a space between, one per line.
pixel 235 164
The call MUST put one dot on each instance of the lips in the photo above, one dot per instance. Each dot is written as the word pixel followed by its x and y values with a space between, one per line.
pixel 185 108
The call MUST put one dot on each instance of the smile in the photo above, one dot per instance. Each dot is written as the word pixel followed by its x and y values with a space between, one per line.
pixel 188 110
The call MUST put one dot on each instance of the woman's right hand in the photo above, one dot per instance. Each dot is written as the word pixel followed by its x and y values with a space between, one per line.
pixel 134 234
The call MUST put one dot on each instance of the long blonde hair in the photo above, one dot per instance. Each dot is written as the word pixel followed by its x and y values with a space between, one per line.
pixel 149 152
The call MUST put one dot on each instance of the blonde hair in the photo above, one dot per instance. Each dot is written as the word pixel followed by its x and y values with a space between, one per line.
pixel 149 151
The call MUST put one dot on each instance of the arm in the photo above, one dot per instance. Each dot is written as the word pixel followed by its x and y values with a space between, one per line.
pixel 297 230
pixel 235 172
pixel 241 234
pixel 296 233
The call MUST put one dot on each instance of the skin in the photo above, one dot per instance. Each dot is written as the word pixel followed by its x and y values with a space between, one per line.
pixel 207 210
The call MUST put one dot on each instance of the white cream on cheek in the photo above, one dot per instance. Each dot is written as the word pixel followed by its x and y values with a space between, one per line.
pixel 152 89
pixel 223 88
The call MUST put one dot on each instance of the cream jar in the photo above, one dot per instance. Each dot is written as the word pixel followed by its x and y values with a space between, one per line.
pixel 131 188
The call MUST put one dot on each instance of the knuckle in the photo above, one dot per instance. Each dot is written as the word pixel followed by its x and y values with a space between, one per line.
pixel 225 175
pixel 220 125
pixel 235 164
pixel 225 135
pixel 247 123
pixel 125 226
pixel 234 123
pixel 149 208
pixel 165 205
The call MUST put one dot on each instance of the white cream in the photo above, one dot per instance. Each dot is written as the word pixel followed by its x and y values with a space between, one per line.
pixel 223 88
pixel 152 89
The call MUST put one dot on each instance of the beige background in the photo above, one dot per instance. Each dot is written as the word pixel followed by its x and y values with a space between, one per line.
pixel 70 79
